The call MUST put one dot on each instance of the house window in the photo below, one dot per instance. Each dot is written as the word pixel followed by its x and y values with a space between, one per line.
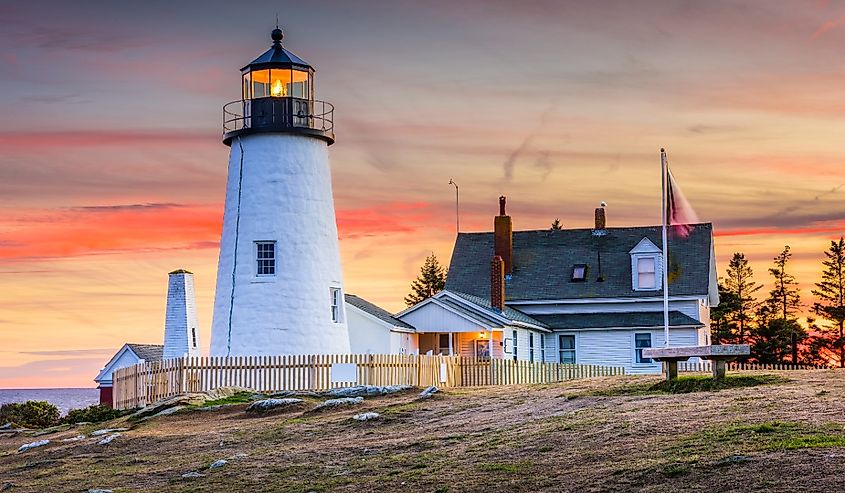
pixel 567 349
pixel 514 345
pixel 443 343
pixel 531 347
pixel 646 273
pixel 194 335
pixel 642 341
pixel 265 258
pixel 337 300
pixel 579 273
pixel 543 348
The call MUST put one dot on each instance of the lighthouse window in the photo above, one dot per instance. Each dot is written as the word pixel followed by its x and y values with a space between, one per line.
pixel 260 83
pixel 265 257
pixel 336 298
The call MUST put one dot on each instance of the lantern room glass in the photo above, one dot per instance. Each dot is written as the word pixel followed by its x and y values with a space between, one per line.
pixel 277 83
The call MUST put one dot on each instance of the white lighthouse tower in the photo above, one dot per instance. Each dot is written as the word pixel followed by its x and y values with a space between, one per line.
pixel 279 280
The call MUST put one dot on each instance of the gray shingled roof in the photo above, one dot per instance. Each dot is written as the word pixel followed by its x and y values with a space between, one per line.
pixel 148 352
pixel 543 262
pixel 508 312
pixel 375 311
pixel 615 320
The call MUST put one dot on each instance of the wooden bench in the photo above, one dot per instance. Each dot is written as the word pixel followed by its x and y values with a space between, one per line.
pixel 718 354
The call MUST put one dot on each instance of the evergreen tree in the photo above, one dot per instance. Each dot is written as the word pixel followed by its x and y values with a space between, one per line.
pixel 723 328
pixel 777 327
pixel 431 280
pixel 739 282
pixel 830 306
pixel 556 225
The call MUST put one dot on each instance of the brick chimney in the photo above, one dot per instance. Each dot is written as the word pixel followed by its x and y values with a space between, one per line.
pixel 601 218
pixel 503 237
pixel 497 283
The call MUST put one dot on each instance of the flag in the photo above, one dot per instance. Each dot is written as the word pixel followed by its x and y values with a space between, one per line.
pixel 679 213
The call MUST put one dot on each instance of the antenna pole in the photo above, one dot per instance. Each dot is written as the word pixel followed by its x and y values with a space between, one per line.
pixel 457 207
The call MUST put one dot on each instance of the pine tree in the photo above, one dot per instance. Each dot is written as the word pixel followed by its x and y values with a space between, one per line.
pixel 830 306
pixel 431 280
pixel 777 327
pixel 556 225
pixel 722 316
pixel 740 283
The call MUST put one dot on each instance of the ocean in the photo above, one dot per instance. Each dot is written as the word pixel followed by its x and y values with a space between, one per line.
pixel 64 399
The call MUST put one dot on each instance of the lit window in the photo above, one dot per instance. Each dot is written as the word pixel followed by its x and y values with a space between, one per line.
pixel 337 299
pixel 642 341
pixel 514 344
pixel 265 258
pixel 579 272
pixel 646 273
pixel 567 349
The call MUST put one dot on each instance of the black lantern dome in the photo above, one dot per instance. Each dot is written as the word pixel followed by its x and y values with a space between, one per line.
pixel 278 96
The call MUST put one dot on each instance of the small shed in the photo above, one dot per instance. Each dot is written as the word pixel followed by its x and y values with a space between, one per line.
pixel 128 355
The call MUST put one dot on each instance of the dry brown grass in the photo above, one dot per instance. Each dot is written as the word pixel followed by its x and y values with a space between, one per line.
pixel 787 436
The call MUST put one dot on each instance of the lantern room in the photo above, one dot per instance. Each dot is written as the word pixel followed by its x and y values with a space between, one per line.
pixel 277 91
pixel 278 73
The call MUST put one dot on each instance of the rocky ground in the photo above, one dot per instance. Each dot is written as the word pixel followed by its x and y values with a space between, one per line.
pixel 609 434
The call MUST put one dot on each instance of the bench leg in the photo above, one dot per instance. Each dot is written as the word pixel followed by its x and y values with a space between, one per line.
pixel 718 369
pixel 670 368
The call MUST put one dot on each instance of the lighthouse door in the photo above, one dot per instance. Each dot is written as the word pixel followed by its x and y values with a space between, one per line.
pixel 301 113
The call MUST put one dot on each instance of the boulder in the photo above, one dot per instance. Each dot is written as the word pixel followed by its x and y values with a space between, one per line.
pixel 77 438
pixel 98 490
pixel 366 416
pixel 195 399
pixel 218 464
pixel 29 446
pixel 7 426
pixel 430 391
pixel 343 401
pixel 366 390
pixel 167 412
pixel 192 474
pixel 106 431
pixel 107 440
pixel 271 404
pixel 224 392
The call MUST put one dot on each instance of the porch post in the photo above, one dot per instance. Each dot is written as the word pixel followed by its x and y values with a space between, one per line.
pixel 451 351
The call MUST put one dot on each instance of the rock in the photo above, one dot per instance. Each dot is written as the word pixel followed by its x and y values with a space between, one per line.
pixel 7 487
pixel 218 463
pixel 28 446
pixel 192 474
pixel 224 392
pixel 7 426
pixel 343 401
pixel 270 404
pixel 106 431
pixel 366 390
pixel 366 416
pixel 77 438
pixel 179 400
pixel 52 429
pixel 167 412
pixel 425 394
pixel 97 490
pixel 107 440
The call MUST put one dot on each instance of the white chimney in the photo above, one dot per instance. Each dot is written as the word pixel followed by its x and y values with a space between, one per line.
pixel 181 331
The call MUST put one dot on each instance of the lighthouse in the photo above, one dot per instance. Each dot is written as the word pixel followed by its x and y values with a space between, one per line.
pixel 279 279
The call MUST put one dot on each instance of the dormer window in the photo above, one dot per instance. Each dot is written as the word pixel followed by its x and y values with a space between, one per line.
pixel 579 272
pixel 646 273
pixel 646 266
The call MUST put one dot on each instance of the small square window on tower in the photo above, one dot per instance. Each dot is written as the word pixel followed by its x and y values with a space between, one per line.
pixel 265 258
pixel 579 272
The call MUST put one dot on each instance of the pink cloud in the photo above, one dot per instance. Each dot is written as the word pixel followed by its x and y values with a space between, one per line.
pixel 827 26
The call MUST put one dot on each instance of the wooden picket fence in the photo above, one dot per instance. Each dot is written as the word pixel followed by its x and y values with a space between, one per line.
pixel 142 384
pixel 705 366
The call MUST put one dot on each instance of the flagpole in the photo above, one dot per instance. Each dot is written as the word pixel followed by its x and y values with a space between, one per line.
pixel 665 268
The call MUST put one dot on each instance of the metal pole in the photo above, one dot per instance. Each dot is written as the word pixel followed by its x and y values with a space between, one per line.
pixel 457 207
pixel 665 268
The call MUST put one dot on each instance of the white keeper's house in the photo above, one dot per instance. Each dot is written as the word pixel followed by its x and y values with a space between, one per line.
pixel 585 296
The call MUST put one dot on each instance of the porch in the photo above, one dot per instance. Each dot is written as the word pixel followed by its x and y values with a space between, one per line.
pixel 470 344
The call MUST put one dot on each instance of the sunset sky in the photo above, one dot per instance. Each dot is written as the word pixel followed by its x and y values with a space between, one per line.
pixel 112 170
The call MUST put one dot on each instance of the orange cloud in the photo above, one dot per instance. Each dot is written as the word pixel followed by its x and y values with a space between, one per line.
pixel 827 26
pixel 838 228
pixel 391 218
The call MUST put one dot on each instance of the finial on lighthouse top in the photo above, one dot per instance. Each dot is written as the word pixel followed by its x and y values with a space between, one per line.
pixel 277 35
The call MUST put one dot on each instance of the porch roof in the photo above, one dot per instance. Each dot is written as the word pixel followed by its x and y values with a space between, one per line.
pixel 606 320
